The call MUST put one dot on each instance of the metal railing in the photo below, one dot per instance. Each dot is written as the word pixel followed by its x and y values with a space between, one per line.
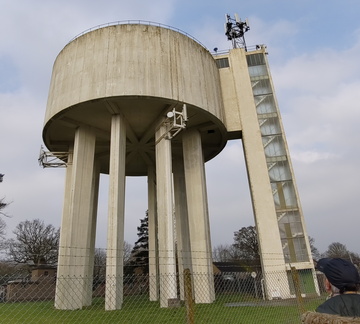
pixel 136 22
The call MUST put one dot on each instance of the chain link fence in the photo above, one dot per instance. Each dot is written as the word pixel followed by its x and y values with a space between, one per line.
pixel 227 295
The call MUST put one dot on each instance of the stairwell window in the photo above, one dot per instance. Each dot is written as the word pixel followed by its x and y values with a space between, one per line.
pixel 222 63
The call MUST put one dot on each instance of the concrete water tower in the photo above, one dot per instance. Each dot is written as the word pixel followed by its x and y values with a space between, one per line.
pixel 139 99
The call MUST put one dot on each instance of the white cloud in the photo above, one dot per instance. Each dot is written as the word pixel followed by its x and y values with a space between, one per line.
pixel 311 156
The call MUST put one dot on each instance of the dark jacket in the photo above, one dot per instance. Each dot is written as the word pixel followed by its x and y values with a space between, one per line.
pixel 343 305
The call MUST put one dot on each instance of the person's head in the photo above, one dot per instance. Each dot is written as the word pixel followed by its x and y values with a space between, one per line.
pixel 340 273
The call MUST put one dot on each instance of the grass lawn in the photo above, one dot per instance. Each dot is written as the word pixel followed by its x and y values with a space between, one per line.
pixel 137 309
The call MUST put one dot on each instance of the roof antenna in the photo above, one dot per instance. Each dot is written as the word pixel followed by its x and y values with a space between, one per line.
pixel 235 30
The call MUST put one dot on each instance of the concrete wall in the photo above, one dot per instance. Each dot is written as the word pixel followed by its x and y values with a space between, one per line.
pixel 134 60
pixel 43 288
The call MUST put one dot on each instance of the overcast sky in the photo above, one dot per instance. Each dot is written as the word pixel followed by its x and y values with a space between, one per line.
pixel 314 51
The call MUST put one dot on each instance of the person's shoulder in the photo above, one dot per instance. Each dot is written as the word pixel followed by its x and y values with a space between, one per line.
pixel 349 296
pixel 329 306
pixel 340 304
pixel 343 298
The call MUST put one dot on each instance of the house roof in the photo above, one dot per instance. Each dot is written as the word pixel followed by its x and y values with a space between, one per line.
pixel 229 267
pixel 44 266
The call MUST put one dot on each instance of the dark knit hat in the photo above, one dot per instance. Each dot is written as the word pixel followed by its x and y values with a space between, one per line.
pixel 341 273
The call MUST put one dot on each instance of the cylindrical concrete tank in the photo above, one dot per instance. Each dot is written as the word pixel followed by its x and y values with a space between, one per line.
pixel 141 71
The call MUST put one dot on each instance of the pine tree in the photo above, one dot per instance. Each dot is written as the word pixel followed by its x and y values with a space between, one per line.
pixel 140 252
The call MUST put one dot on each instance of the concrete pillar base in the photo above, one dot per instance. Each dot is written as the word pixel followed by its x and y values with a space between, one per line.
pixel 115 244
pixel 74 278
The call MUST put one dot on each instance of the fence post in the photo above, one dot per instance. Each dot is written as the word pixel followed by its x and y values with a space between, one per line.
pixel 299 299
pixel 189 301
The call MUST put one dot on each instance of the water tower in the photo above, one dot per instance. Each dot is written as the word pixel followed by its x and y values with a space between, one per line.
pixel 141 99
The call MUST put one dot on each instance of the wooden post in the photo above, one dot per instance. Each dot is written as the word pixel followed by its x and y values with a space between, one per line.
pixel 189 301
pixel 296 281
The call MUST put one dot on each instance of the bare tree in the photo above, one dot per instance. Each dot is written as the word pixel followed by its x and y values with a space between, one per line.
pixel 314 251
pixel 224 253
pixel 2 229
pixel 34 242
pixel 100 260
pixel 127 252
pixel 3 205
pixel 337 250
pixel 99 264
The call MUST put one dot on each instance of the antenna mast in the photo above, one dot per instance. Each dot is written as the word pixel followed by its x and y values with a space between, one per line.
pixel 235 30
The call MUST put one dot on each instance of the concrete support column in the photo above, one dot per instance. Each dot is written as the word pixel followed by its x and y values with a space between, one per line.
pixel 63 283
pixel 115 239
pixel 271 252
pixel 167 263
pixel 94 199
pixel 153 246
pixel 270 248
pixel 74 281
pixel 272 257
pixel 182 223
pixel 198 217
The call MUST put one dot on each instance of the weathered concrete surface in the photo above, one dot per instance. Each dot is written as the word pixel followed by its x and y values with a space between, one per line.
pixel 110 92
pixel 141 71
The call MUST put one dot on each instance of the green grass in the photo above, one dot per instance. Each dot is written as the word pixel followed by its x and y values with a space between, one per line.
pixel 138 309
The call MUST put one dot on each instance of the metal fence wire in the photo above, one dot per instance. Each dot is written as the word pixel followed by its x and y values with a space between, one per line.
pixel 233 297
